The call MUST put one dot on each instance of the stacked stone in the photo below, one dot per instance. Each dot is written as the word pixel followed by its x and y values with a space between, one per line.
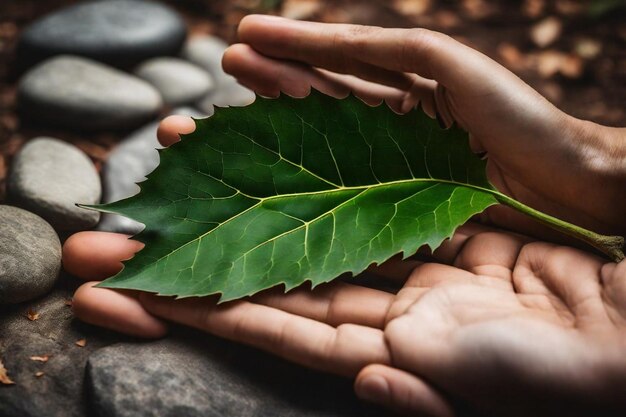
pixel 111 66
pixel 117 66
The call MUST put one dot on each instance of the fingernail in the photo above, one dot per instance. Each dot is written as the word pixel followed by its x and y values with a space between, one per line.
pixel 373 388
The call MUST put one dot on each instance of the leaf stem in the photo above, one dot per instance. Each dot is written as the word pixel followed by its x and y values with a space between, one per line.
pixel 612 246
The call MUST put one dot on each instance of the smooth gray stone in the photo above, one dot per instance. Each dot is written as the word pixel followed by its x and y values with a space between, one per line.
pixel 59 392
pixel 78 93
pixel 207 51
pixel 117 32
pixel 49 177
pixel 129 163
pixel 199 375
pixel 30 256
pixel 178 81
pixel 226 95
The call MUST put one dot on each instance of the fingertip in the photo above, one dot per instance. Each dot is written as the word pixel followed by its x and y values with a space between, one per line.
pixel 97 255
pixel 172 127
pixel 234 56
pixel 116 310
pixel 250 23
pixel 400 391
pixel 373 387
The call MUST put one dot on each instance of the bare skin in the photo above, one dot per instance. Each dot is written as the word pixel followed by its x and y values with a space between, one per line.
pixel 498 322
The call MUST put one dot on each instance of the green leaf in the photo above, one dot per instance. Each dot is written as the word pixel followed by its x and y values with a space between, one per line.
pixel 292 190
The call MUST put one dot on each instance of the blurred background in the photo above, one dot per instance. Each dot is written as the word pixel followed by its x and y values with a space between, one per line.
pixel 573 52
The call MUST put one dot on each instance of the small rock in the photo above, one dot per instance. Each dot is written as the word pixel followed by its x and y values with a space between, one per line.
pixel 178 81
pixel 225 95
pixel 206 52
pixel 129 163
pixel 49 177
pixel 119 32
pixel 206 377
pixel 30 256
pixel 79 93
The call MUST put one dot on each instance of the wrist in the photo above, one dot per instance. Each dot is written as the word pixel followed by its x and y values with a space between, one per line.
pixel 601 163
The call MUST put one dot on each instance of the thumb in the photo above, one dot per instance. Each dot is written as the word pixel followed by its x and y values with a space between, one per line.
pixel 400 391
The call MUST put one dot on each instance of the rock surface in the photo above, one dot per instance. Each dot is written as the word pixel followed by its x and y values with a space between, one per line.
pixel 118 32
pixel 79 93
pixel 206 52
pixel 59 392
pixel 129 163
pixel 178 81
pixel 198 375
pixel 30 256
pixel 48 177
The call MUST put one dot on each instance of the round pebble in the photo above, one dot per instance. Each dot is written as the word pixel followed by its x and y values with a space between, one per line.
pixel 30 255
pixel 118 32
pixel 49 177
pixel 178 81
pixel 81 94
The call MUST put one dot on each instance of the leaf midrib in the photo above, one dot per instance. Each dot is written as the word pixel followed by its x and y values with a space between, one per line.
pixel 341 188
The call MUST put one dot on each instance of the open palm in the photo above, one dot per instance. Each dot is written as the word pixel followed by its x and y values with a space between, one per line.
pixel 499 323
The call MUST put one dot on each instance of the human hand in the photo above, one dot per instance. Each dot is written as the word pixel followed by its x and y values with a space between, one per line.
pixel 505 325
pixel 539 155
pixel 509 328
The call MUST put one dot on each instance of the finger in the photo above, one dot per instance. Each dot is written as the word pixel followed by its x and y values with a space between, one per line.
pixel 347 48
pixel 401 391
pixel 328 58
pixel 430 275
pixel 172 127
pixel 343 350
pixel 335 304
pixel 97 255
pixel 571 274
pixel 116 310
pixel 269 77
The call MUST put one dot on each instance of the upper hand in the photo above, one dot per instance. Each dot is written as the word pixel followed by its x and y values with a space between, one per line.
pixel 536 153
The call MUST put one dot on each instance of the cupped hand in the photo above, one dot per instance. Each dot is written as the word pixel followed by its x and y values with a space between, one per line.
pixel 539 155
pixel 496 322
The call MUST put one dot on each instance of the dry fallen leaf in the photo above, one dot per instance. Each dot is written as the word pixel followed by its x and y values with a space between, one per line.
pixel 533 8
pixel 81 342
pixel 546 32
pixel 588 48
pixel 32 315
pixel 511 55
pixel 4 378
pixel 39 374
pixel 477 9
pixel 42 358
pixel 411 7
pixel 552 62
pixel 446 19
pixel 570 7
pixel 300 9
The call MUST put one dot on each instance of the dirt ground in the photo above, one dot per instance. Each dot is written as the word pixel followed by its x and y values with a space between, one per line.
pixel 573 52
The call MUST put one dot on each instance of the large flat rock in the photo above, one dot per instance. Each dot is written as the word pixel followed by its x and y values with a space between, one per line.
pixel 199 375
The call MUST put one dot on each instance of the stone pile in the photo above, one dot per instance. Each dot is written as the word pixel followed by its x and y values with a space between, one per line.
pixel 118 66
